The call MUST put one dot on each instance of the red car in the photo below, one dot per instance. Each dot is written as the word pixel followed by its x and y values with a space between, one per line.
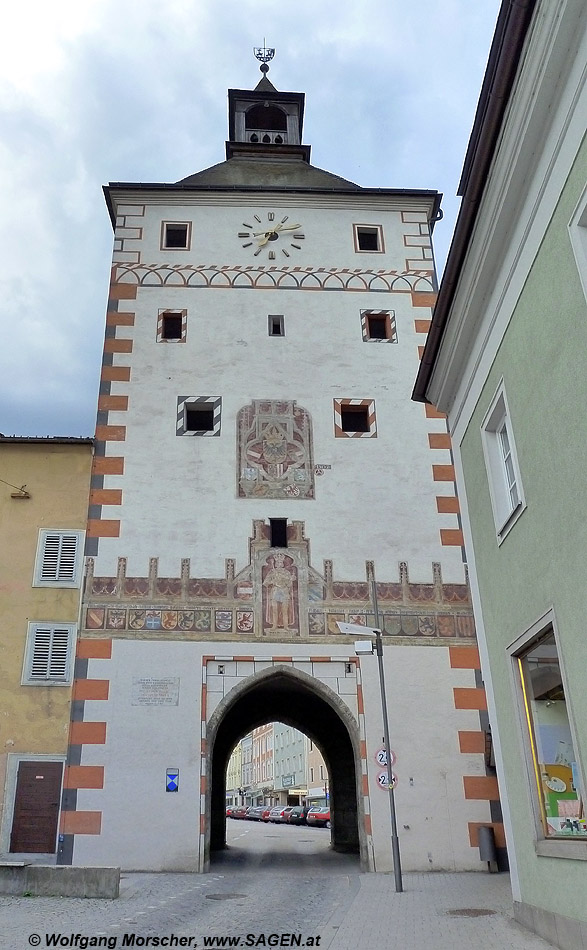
pixel 320 816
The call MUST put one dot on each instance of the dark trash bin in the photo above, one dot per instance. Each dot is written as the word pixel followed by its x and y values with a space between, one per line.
pixel 487 849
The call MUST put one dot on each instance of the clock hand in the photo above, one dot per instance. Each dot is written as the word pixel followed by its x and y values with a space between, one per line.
pixel 276 229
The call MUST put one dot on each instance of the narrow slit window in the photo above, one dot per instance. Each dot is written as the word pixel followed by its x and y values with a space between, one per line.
pixel 276 325
pixel 278 528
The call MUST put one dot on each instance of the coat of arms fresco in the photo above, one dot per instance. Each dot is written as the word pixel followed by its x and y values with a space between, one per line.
pixel 275 450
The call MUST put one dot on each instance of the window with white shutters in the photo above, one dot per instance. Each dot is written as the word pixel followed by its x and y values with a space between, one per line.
pixel 58 559
pixel 48 654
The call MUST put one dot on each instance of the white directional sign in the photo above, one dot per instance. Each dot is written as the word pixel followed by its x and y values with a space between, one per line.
pixel 355 628
pixel 383 780
pixel 381 757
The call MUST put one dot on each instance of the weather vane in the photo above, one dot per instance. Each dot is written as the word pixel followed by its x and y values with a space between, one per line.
pixel 264 55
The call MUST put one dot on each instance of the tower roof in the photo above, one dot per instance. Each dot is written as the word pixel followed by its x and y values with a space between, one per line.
pixel 245 169
pixel 265 85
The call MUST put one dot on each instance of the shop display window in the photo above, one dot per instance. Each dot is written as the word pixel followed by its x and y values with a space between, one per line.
pixel 556 773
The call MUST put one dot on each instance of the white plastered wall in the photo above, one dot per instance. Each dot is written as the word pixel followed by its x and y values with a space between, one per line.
pixel 144 827
pixel 188 484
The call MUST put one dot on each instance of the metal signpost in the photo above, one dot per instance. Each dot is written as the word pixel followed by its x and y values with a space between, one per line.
pixel 370 631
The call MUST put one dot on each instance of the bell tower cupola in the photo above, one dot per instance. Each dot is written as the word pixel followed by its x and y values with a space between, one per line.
pixel 264 122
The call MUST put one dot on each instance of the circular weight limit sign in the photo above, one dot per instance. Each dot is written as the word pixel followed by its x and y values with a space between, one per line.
pixel 383 780
pixel 381 757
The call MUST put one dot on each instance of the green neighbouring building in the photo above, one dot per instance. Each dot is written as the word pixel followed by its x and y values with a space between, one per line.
pixel 506 360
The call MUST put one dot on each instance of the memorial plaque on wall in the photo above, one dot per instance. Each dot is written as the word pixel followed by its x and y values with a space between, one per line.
pixel 155 691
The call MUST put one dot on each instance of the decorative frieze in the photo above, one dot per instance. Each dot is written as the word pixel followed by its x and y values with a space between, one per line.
pixel 278 596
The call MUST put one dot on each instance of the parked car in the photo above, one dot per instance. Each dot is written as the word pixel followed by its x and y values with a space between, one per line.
pixel 266 812
pixel 297 815
pixel 319 816
pixel 287 812
pixel 238 811
pixel 276 813
pixel 229 810
pixel 254 812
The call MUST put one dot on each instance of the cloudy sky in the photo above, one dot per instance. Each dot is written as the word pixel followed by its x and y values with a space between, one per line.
pixel 93 91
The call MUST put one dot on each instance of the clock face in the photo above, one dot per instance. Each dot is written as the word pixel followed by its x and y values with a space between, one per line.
pixel 272 237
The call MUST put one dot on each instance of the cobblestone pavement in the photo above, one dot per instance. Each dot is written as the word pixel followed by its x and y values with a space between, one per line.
pixel 281 881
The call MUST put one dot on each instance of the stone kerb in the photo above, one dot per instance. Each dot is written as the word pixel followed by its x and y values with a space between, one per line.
pixel 39 880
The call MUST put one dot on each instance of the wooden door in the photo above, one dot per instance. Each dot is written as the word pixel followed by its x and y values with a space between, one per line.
pixel 36 807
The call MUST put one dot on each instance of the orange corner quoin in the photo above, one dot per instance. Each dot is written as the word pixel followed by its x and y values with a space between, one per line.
pixel 94 649
pixel 464 658
pixel 81 822
pixel 87 733
pixel 482 787
pixel 451 537
pixel 84 776
pixel 103 528
pixel 91 689
pixel 469 697
pixel 423 299
pixel 123 291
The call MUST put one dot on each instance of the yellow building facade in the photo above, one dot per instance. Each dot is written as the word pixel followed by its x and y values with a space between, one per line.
pixel 44 485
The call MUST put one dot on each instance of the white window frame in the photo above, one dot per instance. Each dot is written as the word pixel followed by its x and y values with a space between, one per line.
pixel 74 580
pixel 502 467
pixel 578 235
pixel 34 630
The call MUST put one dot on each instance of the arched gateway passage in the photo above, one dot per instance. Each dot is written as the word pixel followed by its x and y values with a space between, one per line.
pixel 290 696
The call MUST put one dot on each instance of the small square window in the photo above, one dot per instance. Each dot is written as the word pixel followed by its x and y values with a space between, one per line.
pixel 354 419
pixel 175 235
pixel 199 418
pixel 171 326
pixel 368 238
pixel 198 415
pixel 378 325
pixel 276 325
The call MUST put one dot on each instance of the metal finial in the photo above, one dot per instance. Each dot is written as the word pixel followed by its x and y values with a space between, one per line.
pixel 264 55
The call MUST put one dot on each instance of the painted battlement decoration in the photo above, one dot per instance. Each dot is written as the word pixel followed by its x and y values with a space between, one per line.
pixel 277 595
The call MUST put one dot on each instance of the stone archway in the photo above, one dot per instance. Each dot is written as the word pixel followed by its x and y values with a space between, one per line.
pixel 291 696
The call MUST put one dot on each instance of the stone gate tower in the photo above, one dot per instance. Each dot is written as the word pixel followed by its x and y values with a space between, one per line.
pixel 258 460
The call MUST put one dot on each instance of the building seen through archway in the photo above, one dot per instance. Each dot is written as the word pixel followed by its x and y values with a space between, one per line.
pixel 276 764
